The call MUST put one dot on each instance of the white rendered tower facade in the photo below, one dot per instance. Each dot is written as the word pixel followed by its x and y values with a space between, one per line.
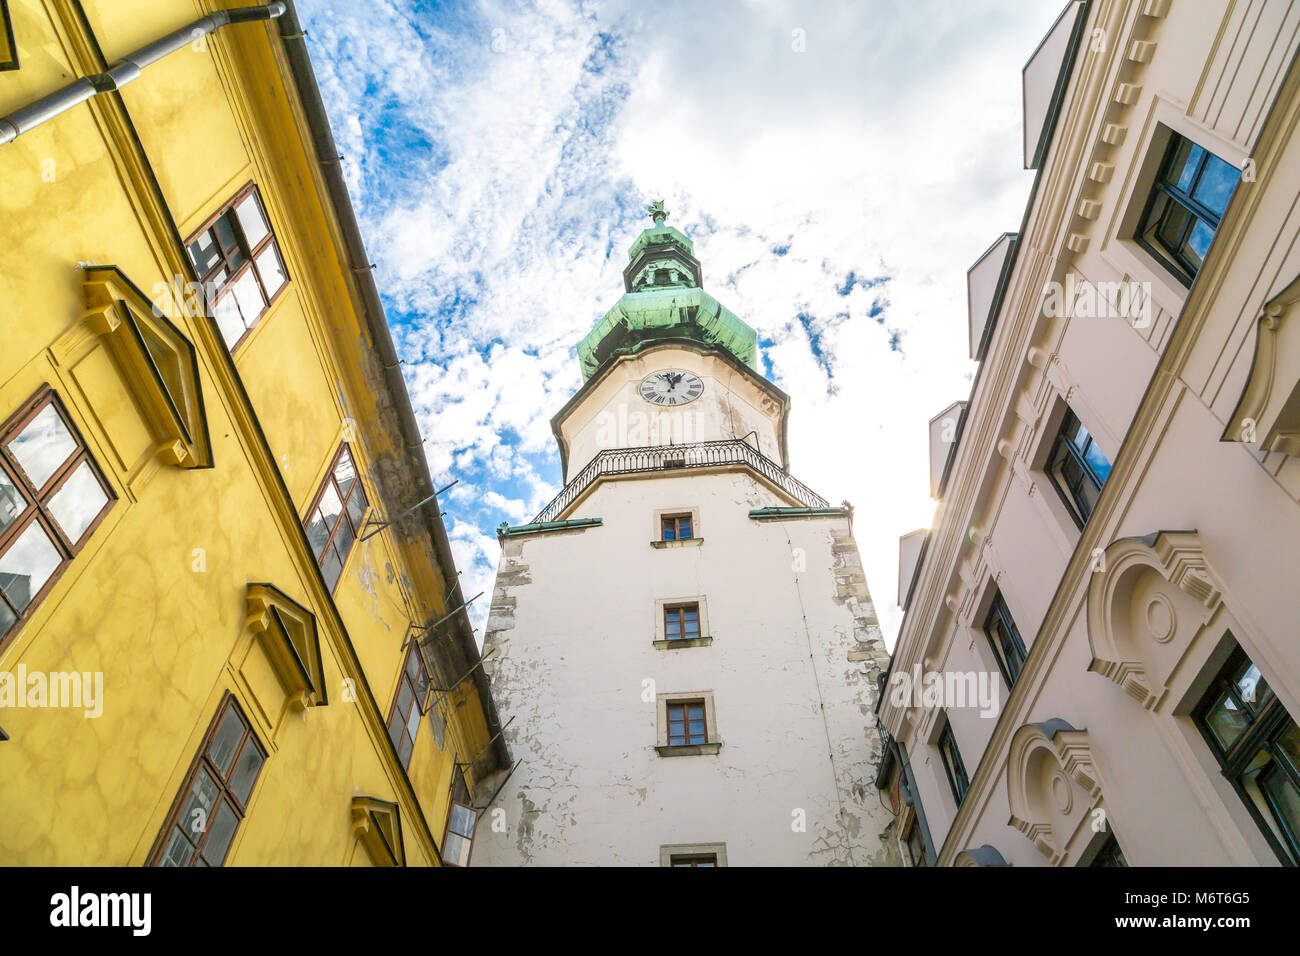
pixel 683 641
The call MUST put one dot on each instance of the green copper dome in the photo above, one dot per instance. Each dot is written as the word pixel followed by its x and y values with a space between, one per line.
pixel 664 300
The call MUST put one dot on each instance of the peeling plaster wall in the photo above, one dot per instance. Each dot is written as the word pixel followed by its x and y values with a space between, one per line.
pixel 792 668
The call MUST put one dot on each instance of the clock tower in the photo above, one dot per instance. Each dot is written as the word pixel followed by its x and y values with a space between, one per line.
pixel 682 641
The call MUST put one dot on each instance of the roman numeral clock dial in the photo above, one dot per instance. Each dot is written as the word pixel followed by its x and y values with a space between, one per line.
pixel 671 387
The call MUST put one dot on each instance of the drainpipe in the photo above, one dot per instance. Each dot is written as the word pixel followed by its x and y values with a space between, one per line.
pixel 127 69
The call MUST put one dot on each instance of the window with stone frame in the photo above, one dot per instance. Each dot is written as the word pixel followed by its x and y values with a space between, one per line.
pixel 953 767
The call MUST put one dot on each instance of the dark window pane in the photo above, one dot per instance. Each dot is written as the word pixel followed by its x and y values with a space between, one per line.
pixel 225 235
pixel 246 771
pixel 1226 720
pixel 1173 225
pixel 343 539
pixel 204 253
pixel 78 502
pixel 357 506
pixel 221 751
pixel 684 528
pixel 179 850
pixel 220 833
pixel 12 501
pixel 27 565
pixel 7 618
pixel 331 567
pixel 670 529
pixel 1283 800
pixel 43 446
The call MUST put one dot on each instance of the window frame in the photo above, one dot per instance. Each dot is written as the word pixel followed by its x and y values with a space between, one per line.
pixel 686 721
pixel 1171 259
pixel 250 253
pixel 11 62
pixel 36 509
pixel 712 743
pixel 953 766
pixel 404 679
pixel 202 761
pixel 460 797
pixel 1267 724
pixel 1079 511
pixel 677 520
pixel 1001 613
pixel 680 610
pixel 328 482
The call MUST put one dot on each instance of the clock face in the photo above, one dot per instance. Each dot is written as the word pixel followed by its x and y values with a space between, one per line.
pixel 671 387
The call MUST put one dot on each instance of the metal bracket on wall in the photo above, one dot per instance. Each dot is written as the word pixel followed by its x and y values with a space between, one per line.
pixel 373 527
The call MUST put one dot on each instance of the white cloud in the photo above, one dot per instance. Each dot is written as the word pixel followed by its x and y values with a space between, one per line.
pixel 500 187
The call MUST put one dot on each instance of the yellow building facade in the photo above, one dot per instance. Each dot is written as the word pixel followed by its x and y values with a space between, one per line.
pixel 230 624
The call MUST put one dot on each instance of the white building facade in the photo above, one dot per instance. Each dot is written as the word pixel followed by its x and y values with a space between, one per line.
pixel 1117 537
pixel 682 644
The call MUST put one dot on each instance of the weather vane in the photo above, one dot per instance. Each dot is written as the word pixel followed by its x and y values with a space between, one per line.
pixel 657 212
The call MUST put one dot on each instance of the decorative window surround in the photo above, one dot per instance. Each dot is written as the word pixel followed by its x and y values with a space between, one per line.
pixel 1173 614
pixel 980 856
pixel 679 851
pixel 377 825
pixel 1268 412
pixel 1052 787
pixel 712 745
pixel 287 633
pixel 157 363
pixel 661 639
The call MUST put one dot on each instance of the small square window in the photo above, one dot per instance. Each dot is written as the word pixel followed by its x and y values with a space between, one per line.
pixel 687 725
pixel 676 528
pixel 682 622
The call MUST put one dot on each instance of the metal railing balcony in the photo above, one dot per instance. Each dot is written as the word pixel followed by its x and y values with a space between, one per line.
pixel 705 454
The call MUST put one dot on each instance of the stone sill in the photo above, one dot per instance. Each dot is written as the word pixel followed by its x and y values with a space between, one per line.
pixel 684 642
pixel 683 543
pixel 688 750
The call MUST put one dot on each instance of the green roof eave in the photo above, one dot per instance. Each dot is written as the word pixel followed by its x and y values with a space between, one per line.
pixel 675 312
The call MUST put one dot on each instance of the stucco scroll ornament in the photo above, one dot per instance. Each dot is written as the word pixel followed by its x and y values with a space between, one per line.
pixel 1052 784
pixel 1268 412
pixel 1165 577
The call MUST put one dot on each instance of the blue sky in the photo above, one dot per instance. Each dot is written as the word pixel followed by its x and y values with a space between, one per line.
pixel 839 166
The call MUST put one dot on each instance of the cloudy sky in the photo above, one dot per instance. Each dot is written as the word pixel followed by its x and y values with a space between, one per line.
pixel 838 163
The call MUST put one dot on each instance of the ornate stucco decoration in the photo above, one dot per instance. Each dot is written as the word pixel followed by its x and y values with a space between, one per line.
pixel 1268 412
pixel 1147 599
pixel 1052 787
pixel 287 633
pixel 980 856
